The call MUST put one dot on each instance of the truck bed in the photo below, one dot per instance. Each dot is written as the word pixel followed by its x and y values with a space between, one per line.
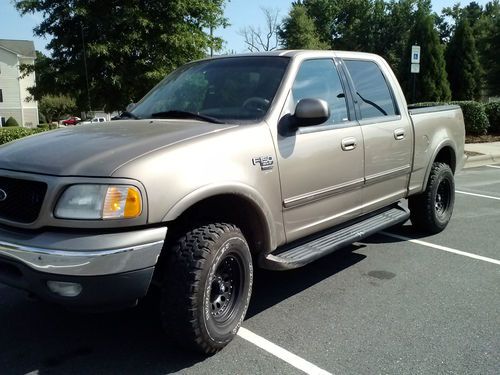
pixel 435 127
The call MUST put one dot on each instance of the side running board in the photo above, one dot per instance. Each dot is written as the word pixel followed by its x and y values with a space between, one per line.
pixel 297 255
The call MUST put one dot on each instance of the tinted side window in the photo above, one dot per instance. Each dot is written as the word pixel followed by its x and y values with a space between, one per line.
pixel 319 79
pixel 371 88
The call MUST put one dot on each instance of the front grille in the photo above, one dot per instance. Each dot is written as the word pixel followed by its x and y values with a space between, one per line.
pixel 21 200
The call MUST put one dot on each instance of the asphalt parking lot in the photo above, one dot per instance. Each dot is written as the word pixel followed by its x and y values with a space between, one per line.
pixel 382 306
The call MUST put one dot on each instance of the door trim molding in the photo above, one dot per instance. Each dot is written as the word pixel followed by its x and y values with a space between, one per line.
pixel 322 193
pixel 395 172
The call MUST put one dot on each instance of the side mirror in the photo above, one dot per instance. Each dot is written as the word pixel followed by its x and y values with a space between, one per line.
pixel 130 107
pixel 311 112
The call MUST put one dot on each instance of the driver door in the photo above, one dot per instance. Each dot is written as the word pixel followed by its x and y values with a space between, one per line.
pixel 321 167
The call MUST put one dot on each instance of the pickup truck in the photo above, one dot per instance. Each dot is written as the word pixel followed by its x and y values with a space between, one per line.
pixel 269 160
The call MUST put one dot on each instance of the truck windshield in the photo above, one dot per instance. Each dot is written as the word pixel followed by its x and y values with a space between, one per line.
pixel 218 90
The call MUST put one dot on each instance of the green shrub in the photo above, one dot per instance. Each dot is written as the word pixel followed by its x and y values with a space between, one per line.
pixel 11 134
pixel 476 121
pixel 493 112
pixel 11 122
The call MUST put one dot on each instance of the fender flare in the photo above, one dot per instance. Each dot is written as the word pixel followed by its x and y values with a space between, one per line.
pixel 235 188
pixel 444 143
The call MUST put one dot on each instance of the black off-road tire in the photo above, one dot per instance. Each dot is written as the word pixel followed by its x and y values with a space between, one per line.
pixel 207 287
pixel 430 212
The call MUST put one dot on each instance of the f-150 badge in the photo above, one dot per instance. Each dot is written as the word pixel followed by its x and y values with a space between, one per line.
pixel 265 162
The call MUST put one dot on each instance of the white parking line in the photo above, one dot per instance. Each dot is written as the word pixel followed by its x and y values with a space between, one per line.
pixel 281 353
pixel 493 166
pixel 444 248
pixel 477 195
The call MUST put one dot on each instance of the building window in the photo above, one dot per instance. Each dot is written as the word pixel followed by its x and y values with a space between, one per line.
pixel 1 96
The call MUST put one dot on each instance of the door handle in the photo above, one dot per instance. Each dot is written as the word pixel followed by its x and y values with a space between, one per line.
pixel 399 134
pixel 349 144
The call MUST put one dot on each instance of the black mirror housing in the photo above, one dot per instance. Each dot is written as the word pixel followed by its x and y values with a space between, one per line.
pixel 310 112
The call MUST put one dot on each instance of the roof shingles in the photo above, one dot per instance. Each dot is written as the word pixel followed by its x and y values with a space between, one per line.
pixel 24 48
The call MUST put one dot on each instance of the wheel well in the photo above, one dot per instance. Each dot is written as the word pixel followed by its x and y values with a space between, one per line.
pixel 447 155
pixel 230 208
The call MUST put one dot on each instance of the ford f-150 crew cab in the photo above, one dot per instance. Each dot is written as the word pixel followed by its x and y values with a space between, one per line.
pixel 270 160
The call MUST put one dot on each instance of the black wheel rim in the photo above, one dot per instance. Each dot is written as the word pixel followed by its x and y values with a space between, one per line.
pixel 226 288
pixel 443 198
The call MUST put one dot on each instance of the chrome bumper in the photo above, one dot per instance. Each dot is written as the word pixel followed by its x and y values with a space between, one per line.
pixel 77 254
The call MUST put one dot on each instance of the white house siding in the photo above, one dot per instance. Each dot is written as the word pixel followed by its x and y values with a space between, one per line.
pixel 9 84
pixel 30 107
pixel 14 90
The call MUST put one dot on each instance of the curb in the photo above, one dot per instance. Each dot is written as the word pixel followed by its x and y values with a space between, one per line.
pixel 479 160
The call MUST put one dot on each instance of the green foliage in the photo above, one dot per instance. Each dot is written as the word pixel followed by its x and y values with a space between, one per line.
pixel 493 112
pixel 11 134
pixel 475 119
pixel 491 58
pixel 54 106
pixel 129 46
pixel 299 32
pixel 47 79
pixel 485 26
pixel 11 122
pixel 432 82
pixel 462 63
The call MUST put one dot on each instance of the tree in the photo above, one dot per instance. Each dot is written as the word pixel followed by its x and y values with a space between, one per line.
pixel 432 81
pixel 127 46
pixel 267 40
pixel 299 32
pixel 46 77
pixel 492 62
pixel 377 26
pixel 54 106
pixel 462 63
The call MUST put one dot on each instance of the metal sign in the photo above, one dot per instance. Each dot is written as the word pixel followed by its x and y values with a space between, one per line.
pixel 415 68
pixel 415 55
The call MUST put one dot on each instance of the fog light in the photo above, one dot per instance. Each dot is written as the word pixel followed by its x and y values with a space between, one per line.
pixel 64 289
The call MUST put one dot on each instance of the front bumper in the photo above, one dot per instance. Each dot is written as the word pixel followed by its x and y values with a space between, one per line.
pixel 112 268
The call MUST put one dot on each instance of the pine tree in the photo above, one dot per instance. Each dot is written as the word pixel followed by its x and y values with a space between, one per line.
pixel 432 81
pixel 462 63
pixel 298 31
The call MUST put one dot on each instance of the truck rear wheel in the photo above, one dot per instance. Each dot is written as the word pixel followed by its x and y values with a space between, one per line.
pixel 431 211
pixel 207 286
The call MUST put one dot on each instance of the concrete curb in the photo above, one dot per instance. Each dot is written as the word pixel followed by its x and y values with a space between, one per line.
pixel 479 160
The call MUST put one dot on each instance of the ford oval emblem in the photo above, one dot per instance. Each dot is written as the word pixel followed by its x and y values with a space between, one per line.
pixel 3 195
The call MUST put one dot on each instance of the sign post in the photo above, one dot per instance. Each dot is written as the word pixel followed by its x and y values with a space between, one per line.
pixel 415 66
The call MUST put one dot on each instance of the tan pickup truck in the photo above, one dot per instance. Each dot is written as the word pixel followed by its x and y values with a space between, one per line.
pixel 270 160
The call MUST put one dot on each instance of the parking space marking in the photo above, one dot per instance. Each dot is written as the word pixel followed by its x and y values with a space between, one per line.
pixel 493 166
pixel 281 353
pixel 477 195
pixel 444 248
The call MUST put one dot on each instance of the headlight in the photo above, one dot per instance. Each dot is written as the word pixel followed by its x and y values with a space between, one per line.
pixel 94 202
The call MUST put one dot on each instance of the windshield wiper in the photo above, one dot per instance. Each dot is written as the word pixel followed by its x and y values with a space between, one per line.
pixel 127 114
pixel 186 114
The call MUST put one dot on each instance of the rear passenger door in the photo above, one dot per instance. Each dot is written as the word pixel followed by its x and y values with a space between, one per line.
pixel 387 135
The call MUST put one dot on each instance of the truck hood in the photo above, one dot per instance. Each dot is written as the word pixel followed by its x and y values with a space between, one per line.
pixel 98 150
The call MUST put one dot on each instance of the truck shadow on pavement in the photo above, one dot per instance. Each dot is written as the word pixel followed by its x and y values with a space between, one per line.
pixel 41 338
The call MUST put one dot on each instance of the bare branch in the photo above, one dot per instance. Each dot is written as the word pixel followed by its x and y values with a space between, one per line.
pixel 267 40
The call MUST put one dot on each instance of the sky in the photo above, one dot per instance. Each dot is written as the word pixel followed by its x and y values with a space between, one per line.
pixel 240 13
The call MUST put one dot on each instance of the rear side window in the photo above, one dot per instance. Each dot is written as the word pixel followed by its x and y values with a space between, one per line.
pixel 371 89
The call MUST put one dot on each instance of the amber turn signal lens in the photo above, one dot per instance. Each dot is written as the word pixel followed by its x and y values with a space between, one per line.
pixel 133 206
pixel 122 202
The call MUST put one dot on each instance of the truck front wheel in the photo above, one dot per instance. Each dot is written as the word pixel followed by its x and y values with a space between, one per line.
pixel 207 287
pixel 431 211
